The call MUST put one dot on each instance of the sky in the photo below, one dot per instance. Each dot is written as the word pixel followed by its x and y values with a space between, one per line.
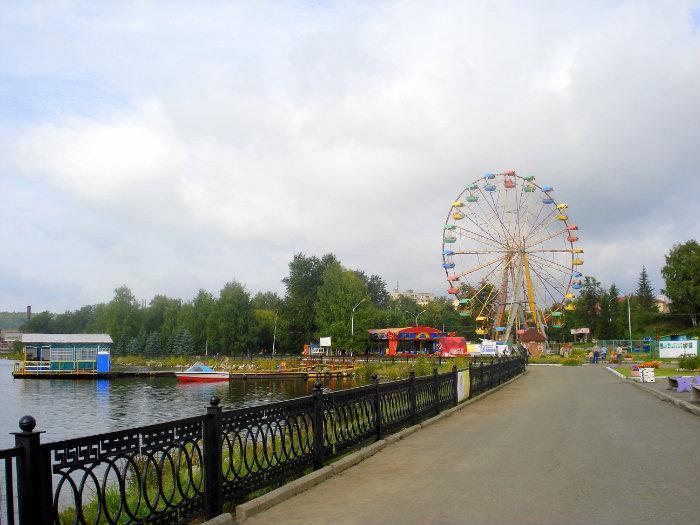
pixel 175 146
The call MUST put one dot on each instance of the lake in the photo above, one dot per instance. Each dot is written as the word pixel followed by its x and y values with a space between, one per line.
pixel 67 408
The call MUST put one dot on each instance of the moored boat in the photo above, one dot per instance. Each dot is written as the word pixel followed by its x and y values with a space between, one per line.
pixel 201 373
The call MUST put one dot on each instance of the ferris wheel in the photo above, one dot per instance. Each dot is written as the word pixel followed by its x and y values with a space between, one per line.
pixel 509 253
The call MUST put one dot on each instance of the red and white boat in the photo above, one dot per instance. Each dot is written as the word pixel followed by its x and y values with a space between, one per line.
pixel 201 373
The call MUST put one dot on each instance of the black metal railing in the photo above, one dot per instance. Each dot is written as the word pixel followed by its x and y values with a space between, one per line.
pixel 191 468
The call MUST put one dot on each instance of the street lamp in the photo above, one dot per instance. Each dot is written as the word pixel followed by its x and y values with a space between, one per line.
pixel 274 335
pixel 352 317
pixel 629 320
pixel 418 315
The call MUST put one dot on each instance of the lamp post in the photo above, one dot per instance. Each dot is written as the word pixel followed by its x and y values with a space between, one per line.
pixel 629 320
pixel 352 318
pixel 274 335
pixel 418 315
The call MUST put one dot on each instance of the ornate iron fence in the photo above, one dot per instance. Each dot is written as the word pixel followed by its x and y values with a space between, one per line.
pixel 176 471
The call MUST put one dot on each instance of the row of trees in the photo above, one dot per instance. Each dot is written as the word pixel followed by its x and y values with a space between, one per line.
pixel 604 311
pixel 320 294
pixel 319 298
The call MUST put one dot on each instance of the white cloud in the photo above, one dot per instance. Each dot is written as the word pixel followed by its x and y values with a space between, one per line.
pixel 253 133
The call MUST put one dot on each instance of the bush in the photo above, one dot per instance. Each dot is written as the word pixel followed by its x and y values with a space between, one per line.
pixel 689 362
pixel 571 361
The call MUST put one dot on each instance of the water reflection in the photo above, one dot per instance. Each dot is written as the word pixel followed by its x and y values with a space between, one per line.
pixel 66 409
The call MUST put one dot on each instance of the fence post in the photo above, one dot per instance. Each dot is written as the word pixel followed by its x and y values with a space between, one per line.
pixel 412 395
pixel 213 474
pixel 377 407
pixel 455 382
pixel 481 377
pixel 34 492
pixel 436 389
pixel 318 425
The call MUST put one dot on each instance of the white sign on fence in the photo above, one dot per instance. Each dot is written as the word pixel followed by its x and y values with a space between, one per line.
pixel 325 341
pixel 678 348
pixel 575 331
pixel 462 385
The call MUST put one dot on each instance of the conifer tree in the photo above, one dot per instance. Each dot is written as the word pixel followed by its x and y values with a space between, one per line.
pixel 645 293
pixel 153 347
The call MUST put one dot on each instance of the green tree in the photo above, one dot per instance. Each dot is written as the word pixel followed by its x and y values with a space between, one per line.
pixel 302 284
pixel 681 274
pixel 120 315
pixel 339 292
pixel 645 293
pixel 137 343
pixel 153 346
pixel 41 323
pixel 231 319
pixel 587 313
pixel 202 307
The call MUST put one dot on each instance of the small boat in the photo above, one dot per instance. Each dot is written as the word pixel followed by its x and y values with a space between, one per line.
pixel 201 373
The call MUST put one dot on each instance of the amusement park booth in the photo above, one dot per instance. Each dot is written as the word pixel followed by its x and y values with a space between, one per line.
pixel 407 340
pixel 534 341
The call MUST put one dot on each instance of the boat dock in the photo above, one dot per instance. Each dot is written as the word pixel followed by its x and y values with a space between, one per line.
pixel 79 374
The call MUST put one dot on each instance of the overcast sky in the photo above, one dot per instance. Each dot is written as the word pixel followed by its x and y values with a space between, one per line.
pixel 176 146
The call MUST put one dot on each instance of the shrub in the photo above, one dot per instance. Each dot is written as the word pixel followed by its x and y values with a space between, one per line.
pixel 689 362
pixel 571 361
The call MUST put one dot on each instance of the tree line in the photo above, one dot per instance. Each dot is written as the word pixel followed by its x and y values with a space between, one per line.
pixel 320 294
pixel 605 312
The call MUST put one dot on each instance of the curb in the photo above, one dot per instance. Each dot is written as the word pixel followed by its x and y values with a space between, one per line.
pixel 685 405
pixel 291 489
pixel 618 374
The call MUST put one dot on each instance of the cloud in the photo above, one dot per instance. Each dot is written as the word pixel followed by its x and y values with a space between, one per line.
pixel 243 134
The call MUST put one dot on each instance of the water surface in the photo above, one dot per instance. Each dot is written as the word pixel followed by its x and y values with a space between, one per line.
pixel 72 408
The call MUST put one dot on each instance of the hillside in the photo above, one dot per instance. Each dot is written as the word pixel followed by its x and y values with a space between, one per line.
pixel 12 319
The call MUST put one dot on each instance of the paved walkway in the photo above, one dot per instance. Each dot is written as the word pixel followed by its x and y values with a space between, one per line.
pixel 560 445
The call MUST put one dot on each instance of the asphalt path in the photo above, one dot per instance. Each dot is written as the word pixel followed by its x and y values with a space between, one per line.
pixel 560 445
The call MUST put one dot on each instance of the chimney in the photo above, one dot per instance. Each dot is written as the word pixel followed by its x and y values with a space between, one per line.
pixel 29 313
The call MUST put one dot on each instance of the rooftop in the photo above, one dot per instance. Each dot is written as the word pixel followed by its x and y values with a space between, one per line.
pixel 66 338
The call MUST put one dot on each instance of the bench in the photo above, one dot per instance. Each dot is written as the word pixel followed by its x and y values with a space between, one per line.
pixel 682 383
pixel 672 383
pixel 695 393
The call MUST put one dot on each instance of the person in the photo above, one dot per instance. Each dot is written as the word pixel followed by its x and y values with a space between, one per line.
pixel 590 356
pixel 603 353
pixel 596 354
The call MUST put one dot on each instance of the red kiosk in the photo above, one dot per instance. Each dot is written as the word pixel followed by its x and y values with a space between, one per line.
pixel 410 339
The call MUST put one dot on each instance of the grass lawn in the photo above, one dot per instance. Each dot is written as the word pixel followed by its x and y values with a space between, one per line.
pixel 660 372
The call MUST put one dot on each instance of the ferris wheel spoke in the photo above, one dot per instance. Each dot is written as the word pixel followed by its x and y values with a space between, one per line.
pixel 479 238
pixel 479 267
pixel 554 281
pixel 496 215
pixel 546 271
pixel 555 263
pixel 548 286
pixel 509 238
pixel 563 250
pixel 488 235
pixel 544 223
pixel 545 239
pixel 548 291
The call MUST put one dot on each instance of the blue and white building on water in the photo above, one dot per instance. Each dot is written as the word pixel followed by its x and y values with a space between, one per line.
pixel 81 353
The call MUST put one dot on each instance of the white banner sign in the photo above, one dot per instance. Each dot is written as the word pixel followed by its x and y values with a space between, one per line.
pixel 575 331
pixel 462 385
pixel 325 341
pixel 677 348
